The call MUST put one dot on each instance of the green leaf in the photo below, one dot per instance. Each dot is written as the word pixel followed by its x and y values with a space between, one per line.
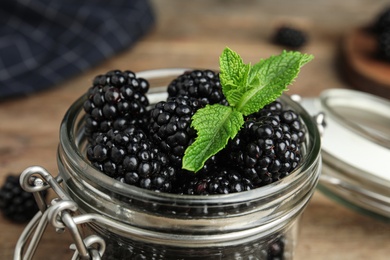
pixel 215 124
pixel 269 78
pixel 233 75
pixel 247 89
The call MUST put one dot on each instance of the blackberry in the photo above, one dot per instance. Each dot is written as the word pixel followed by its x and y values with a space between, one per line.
pixel 170 126
pixel 203 85
pixel 268 147
pixel 290 120
pixel 276 249
pixel 17 204
pixel 290 37
pixel 130 157
pixel 219 180
pixel 384 45
pixel 115 100
pixel 382 22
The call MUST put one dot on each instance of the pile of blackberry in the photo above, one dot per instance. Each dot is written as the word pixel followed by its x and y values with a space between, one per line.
pixel 143 145
pixel 271 250
pixel 381 29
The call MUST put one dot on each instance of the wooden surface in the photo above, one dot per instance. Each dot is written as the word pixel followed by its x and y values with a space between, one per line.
pixel 193 34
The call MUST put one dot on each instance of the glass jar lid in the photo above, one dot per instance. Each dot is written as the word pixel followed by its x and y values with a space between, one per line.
pixel 355 149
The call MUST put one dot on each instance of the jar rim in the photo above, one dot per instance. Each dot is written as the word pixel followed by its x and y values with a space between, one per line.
pixel 69 143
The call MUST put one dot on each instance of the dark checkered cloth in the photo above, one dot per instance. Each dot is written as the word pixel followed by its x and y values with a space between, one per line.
pixel 44 42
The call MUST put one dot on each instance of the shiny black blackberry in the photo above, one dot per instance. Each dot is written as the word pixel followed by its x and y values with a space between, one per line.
pixel 170 126
pixel 17 204
pixel 382 22
pixel 275 249
pixel 217 180
pixel 268 147
pixel 203 85
pixel 289 119
pixel 290 37
pixel 130 157
pixel 114 101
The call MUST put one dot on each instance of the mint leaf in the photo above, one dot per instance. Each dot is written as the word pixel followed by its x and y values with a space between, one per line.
pixel 233 75
pixel 269 78
pixel 247 89
pixel 215 125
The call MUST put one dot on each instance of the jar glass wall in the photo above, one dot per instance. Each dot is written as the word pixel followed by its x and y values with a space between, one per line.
pixel 144 224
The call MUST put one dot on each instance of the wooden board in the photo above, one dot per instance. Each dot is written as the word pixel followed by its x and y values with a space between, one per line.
pixel 192 34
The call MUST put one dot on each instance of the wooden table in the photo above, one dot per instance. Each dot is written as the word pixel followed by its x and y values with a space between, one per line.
pixel 193 34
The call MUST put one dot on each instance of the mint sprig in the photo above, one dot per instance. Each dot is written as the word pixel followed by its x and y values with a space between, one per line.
pixel 215 124
pixel 247 89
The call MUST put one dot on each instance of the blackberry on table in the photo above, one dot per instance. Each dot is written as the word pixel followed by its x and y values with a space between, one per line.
pixel 115 100
pixel 381 31
pixel 382 22
pixel 203 85
pixel 290 37
pixel 170 126
pixel 17 204
pixel 384 45
pixel 130 157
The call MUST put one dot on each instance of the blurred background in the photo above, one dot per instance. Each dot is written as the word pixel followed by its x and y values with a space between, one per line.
pixel 51 50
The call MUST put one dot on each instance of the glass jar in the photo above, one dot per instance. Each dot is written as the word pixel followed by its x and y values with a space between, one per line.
pixel 140 224
pixel 355 148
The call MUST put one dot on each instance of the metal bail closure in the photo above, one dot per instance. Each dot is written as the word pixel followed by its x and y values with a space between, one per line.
pixel 355 149
pixel 59 214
